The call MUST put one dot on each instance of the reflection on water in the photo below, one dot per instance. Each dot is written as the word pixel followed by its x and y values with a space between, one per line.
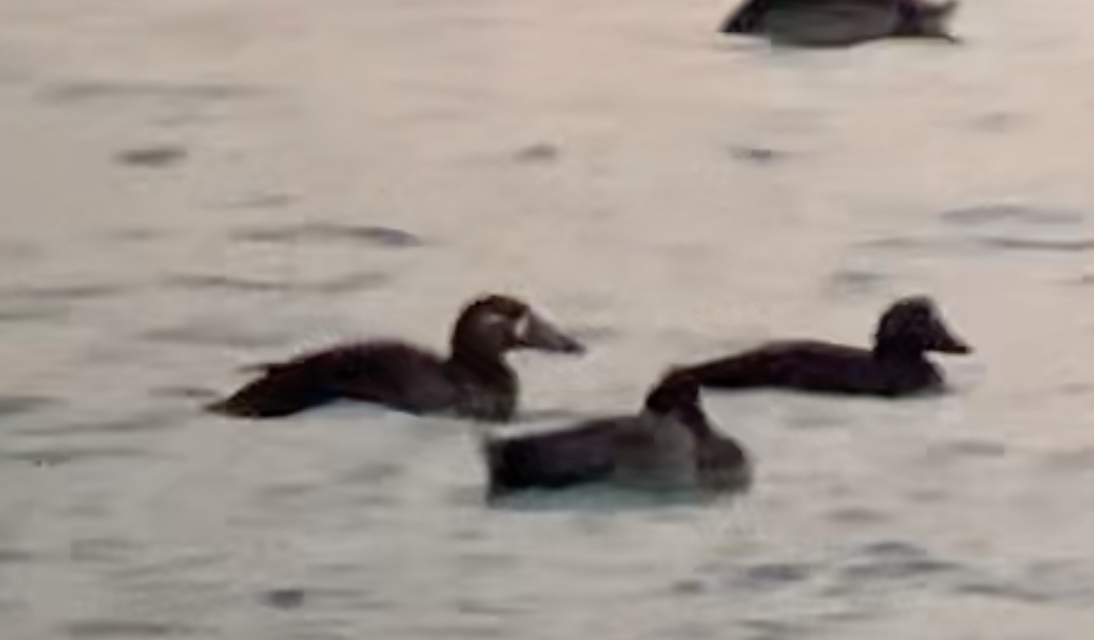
pixel 188 188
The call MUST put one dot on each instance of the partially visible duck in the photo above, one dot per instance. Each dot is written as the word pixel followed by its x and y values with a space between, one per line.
pixel 896 365
pixel 473 381
pixel 835 23
pixel 670 444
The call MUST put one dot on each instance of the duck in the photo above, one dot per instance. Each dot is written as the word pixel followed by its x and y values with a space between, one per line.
pixel 669 444
pixel 473 381
pixel 841 23
pixel 895 366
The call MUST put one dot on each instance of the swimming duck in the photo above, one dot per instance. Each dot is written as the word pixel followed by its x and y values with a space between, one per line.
pixel 835 23
pixel 895 366
pixel 474 381
pixel 669 444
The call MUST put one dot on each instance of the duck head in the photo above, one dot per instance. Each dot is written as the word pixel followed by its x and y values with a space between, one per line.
pixel 677 396
pixel 675 393
pixel 925 19
pixel 499 323
pixel 913 325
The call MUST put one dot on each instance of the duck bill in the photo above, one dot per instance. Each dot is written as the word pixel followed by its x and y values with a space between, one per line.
pixel 946 342
pixel 535 332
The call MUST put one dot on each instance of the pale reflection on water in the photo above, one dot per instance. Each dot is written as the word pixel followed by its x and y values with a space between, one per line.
pixel 187 188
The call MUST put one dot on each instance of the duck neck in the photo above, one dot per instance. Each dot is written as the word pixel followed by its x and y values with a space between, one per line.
pixel 697 424
pixel 482 365
pixel 898 350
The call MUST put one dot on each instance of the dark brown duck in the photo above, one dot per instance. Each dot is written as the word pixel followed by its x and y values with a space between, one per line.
pixel 841 23
pixel 670 444
pixel 897 364
pixel 473 381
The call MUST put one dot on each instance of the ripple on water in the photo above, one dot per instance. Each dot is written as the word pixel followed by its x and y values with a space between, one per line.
pixel 152 156
pixel 349 283
pixel 890 562
pixel 111 629
pixel 217 333
pixel 757 154
pixel 539 153
pixel 122 425
pixel 18 405
pixel 1019 227
pixel 330 232
pixel 58 455
pixel 37 303
pixel 71 292
pixel 857 281
pixel 113 92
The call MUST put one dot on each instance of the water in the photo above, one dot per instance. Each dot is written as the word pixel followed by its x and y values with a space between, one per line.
pixel 190 187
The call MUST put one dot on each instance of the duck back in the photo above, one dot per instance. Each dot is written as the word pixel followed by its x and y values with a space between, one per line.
pixel 391 373
pixel 816 366
pixel 585 453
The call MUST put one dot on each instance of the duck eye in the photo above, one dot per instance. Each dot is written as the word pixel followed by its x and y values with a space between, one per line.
pixel 493 319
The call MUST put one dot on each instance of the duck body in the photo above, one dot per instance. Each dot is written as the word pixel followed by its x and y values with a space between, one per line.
pixel 823 367
pixel 897 364
pixel 668 445
pixel 840 23
pixel 473 381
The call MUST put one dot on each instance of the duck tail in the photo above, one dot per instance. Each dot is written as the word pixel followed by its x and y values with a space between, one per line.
pixel 278 393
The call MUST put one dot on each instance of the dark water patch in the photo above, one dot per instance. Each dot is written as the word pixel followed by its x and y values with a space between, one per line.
pixel 17 252
pixel 1069 461
pixel 1031 244
pixel 1076 388
pixel 539 153
pixel 153 156
pixel 183 392
pixel 134 234
pixel 351 283
pixel 1002 589
pixel 324 233
pixel 33 313
pixel 857 516
pixel 115 629
pixel 122 425
pixel 16 405
pixel 104 550
pixel 996 214
pixel 890 562
pixel 776 575
pixel 376 473
pixel 282 493
pixel 109 91
pixel 1017 227
pixel 286 598
pixel 757 155
pixel 67 293
pixel 259 201
pixel 995 122
pixel 1056 582
pixel 857 281
pixel 967 449
pixel 70 454
pixel 215 334
pixel 17 556
pixel 897 243
pixel 761 629
pixel 225 283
